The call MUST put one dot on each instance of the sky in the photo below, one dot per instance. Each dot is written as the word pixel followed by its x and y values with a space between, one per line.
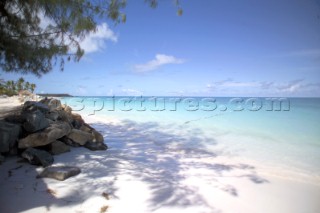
pixel 216 48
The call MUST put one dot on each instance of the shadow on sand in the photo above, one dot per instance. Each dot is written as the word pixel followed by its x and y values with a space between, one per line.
pixel 173 162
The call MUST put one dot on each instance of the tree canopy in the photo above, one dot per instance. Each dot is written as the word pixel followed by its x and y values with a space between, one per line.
pixel 28 45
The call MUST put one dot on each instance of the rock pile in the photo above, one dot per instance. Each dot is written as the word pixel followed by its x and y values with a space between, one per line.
pixel 46 128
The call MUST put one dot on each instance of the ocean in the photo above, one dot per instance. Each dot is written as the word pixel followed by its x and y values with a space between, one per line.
pixel 280 136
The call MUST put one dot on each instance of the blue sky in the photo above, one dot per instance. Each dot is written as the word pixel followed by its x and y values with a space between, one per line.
pixel 216 48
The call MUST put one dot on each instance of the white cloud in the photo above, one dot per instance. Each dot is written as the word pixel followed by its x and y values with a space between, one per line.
pixel 96 41
pixel 159 61
pixel 291 87
pixel 265 85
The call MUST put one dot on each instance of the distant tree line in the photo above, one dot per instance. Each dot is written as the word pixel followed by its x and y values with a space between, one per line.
pixel 11 88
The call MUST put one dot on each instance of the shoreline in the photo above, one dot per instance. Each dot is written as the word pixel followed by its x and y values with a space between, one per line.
pixel 290 174
pixel 150 169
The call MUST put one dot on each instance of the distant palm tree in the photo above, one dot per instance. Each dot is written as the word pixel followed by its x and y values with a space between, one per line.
pixel 2 86
pixel 8 84
pixel 2 83
pixel 11 85
pixel 32 87
pixel 27 86
pixel 20 83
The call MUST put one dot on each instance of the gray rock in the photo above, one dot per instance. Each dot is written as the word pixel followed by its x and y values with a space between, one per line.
pixel 53 104
pixel 59 172
pixel 16 119
pixel 9 134
pixel 52 133
pixel 80 137
pixel 67 109
pixel 97 136
pixel 59 147
pixel 14 149
pixel 69 142
pixel 78 117
pixel 64 116
pixel 86 128
pixel 33 106
pixel 1 159
pixel 50 121
pixel 35 121
pixel 94 146
pixel 52 115
pixel 77 121
pixel 38 157
pixel 77 124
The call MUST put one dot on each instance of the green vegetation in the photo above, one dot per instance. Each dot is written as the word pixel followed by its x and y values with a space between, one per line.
pixel 28 45
pixel 11 88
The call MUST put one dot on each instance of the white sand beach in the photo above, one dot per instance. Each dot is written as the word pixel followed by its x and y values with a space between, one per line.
pixel 9 105
pixel 148 168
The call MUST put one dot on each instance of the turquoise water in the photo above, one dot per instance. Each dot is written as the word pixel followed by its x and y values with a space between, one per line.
pixel 285 137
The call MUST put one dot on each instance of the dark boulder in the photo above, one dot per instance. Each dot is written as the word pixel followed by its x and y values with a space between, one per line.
pixel 80 137
pixel 52 133
pixel 94 146
pixel 16 119
pixel 9 134
pixel 59 172
pixel 38 157
pixel 53 104
pixel 76 124
pixel 69 142
pixel 76 116
pixel 64 116
pixel 97 136
pixel 67 109
pixel 52 115
pixel 35 121
pixel 30 106
pixel 1 158
pixel 59 147
pixel 85 127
